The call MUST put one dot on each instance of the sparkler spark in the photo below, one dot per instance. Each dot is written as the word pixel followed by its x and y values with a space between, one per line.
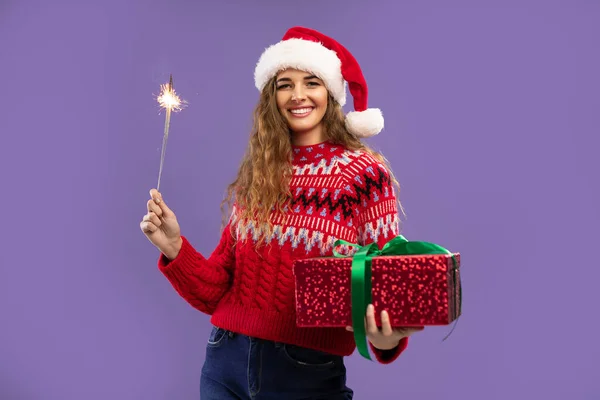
pixel 170 101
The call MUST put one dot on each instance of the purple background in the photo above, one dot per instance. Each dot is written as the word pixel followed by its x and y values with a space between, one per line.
pixel 491 125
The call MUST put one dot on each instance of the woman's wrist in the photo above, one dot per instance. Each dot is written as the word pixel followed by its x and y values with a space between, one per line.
pixel 173 251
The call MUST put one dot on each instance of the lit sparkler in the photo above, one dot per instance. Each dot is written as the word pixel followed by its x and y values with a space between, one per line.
pixel 168 100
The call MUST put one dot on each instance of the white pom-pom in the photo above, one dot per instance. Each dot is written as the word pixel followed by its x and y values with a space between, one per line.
pixel 365 123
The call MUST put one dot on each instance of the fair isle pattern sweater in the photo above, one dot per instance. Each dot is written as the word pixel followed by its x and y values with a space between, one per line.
pixel 336 194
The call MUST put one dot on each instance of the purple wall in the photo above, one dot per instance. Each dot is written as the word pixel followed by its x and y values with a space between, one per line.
pixel 491 125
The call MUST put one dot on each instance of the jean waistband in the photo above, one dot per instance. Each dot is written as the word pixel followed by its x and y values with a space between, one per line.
pixel 233 335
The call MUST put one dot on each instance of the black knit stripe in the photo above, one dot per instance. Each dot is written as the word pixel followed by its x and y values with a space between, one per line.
pixel 345 202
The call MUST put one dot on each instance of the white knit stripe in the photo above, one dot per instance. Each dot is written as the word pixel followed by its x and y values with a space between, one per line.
pixel 305 221
pixel 372 213
pixel 357 167
pixel 312 181
pixel 385 226
pixel 300 230
pixel 327 166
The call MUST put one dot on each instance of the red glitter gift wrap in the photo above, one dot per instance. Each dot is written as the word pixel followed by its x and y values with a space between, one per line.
pixel 416 290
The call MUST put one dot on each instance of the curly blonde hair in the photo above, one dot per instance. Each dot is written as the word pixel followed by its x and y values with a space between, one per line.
pixel 262 184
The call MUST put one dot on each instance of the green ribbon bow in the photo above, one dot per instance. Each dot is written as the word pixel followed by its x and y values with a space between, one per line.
pixel 361 276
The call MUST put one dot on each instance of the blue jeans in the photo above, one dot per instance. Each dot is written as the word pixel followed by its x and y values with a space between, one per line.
pixel 246 368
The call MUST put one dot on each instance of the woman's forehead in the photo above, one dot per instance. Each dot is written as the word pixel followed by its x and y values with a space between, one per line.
pixel 293 72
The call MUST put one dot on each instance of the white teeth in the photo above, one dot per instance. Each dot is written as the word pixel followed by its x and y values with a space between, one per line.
pixel 301 110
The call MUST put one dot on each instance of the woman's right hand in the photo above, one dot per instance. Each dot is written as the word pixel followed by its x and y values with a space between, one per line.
pixel 161 227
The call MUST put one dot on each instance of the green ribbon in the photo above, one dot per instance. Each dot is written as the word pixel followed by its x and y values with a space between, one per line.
pixel 361 276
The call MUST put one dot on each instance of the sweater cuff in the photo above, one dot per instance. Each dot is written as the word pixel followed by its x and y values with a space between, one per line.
pixel 389 356
pixel 184 262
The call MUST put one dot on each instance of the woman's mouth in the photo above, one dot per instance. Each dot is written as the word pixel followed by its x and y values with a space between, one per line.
pixel 301 112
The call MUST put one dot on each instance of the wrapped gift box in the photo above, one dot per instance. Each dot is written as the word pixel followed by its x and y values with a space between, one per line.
pixel 416 290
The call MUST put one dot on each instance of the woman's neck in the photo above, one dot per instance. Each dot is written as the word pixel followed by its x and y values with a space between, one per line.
pixel 309 138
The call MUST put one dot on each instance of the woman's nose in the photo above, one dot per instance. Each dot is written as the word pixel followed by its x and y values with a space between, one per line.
pixel 298 95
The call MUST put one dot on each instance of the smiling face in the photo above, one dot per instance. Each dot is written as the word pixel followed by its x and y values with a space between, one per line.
pixel 302 100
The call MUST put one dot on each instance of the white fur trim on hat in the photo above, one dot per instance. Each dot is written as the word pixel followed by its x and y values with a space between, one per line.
pixel 304 55
pixel 366 123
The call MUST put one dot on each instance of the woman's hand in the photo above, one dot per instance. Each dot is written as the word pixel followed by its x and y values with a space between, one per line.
pixel 161 227
pixel 385 338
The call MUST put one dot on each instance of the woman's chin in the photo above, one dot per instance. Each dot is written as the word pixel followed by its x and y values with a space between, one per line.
pixel 302 130
pixel 302 127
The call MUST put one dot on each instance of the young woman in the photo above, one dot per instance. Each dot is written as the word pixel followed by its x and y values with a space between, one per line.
pixel 305 181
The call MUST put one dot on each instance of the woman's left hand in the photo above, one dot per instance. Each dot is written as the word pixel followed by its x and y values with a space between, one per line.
pixel 385 338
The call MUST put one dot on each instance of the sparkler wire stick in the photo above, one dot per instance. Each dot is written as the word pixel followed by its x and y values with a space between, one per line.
pixel 170 102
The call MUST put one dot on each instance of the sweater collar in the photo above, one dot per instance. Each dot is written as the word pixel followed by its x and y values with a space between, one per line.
pixel 314 153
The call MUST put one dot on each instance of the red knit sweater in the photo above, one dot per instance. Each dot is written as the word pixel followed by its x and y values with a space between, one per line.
pixel 336 194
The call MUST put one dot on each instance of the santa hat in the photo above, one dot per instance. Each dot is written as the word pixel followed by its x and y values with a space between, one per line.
pixel 308 50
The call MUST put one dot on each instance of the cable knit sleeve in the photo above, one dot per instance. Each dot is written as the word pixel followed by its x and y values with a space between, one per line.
pixel 376 220
pixel 201 281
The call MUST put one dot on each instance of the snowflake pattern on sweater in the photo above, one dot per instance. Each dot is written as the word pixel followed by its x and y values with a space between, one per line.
pixel 336 194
